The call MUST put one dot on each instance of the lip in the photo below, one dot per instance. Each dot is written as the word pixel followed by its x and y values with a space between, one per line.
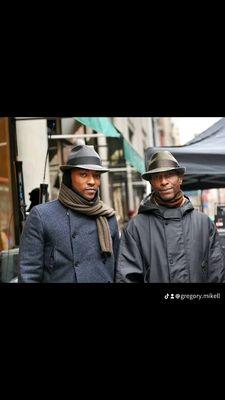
pixel 165 190
pixel 90 190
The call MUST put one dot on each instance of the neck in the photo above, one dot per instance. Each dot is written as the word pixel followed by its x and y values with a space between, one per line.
pixel 177 201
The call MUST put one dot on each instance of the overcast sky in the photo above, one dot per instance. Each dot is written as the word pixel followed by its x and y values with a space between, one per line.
pixel 189 126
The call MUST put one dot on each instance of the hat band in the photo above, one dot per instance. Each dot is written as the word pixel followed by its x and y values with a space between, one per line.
pixel 84 161
pixel 163 163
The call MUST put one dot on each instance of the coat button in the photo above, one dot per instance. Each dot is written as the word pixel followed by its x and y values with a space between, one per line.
pixel 166 223
pixel 74 234
pixel 76 264
pixel 171 261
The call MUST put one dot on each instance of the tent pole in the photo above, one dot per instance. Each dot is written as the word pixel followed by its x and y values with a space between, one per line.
pixel 202 201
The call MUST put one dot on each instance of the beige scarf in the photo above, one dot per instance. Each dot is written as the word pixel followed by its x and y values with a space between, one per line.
pixel 74 201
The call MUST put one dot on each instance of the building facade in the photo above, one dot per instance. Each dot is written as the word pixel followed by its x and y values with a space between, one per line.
pixel 32 149
pixel 165 132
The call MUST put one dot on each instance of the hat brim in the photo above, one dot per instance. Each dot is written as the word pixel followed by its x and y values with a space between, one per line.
pixel 147 175
pixel 91 167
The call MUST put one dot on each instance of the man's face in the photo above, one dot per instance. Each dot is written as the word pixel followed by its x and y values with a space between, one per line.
pixel 166 184
pixel 85 182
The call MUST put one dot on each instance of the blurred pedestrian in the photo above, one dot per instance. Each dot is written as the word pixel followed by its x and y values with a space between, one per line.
pixel 169 241
pixel 74 238
pixel 34 198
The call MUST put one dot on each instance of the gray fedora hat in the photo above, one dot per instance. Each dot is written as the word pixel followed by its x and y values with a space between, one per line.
pixel 161 162
pixel 83 156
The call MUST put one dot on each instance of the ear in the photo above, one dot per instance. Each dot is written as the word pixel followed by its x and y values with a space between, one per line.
pixel 181 179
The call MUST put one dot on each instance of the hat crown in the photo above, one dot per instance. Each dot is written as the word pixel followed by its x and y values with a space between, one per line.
pixel 82 150
pixel 162 161
pixel 84 156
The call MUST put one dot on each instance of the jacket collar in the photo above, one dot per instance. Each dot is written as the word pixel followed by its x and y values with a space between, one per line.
pixel 147 206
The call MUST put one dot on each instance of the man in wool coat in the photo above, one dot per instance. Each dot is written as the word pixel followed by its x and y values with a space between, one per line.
pixel 74 238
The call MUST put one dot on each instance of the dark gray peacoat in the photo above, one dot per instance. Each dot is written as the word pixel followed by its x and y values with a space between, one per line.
pixel 61 245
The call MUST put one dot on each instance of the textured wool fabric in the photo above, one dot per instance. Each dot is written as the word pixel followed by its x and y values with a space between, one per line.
pixel 97 208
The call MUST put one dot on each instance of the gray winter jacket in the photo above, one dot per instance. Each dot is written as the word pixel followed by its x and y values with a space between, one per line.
pixel 170 245
pixel 61 245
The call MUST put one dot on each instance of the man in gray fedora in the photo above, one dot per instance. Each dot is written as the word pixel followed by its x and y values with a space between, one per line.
pixel 74 238
pixel 169 241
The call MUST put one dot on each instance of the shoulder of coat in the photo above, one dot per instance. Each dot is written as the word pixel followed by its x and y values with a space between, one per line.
pixel 51 205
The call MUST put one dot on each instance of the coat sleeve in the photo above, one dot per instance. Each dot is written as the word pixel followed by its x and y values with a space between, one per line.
pixel 31 249
pixel 116 242
pixel 216 269
pixel 129 262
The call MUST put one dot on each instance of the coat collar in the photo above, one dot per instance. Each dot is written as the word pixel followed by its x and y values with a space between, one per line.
pixel 147 206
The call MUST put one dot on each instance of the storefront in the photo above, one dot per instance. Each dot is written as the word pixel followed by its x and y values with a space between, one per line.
pixel 7 230
pixel 9 218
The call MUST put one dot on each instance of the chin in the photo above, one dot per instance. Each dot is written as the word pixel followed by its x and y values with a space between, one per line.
pixel 88 197
pixel 167 197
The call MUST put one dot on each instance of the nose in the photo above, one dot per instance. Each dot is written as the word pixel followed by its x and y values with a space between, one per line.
pixel 91 180
pixel 164 180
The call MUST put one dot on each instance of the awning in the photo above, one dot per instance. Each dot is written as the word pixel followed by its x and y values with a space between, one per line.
pixel 132 157
pixel 103 125
pixel 99 124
